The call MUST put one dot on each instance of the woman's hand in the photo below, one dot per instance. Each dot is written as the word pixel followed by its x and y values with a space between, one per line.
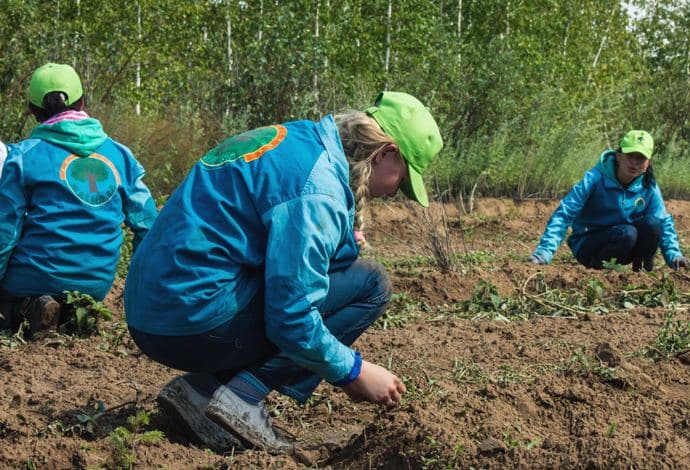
pixel 681 262
pixel 375 384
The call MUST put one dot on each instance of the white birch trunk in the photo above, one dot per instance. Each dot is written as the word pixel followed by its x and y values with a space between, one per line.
pixel 228 25
pixel 137 108
pixel 315 79
pixel 459 18
pixel 260 34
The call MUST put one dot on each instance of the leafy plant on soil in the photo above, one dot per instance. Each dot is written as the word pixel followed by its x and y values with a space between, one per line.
pixel 673 337
pixel 537 298
pixel 660 294
pixel 401 309
pixel 88 417
pixel 124 440
pixel 586 365
pixel 83 314
pixel 10 340
pixel 126 251
pixel 613 265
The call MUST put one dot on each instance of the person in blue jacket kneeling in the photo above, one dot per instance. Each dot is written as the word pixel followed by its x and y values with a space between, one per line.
pixel 64 193
pixel 616 212
pixel 250 278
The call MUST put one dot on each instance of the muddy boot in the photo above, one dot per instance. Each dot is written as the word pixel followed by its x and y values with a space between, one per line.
pixel 251 423
pixel 185 399
pixel 42 312
pixel 8 318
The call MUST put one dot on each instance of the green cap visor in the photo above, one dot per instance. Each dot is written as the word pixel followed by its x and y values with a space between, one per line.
pixel 54 77
pixel 638 142
pixel 410 124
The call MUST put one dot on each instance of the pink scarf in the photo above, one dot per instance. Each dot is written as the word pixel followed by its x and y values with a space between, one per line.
pixel 69 115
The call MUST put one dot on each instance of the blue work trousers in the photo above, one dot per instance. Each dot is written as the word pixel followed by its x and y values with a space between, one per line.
pixel 357 296
pixel 625 242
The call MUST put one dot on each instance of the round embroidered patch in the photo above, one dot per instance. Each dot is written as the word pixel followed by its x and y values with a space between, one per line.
pixel 93 179
pixel 248 145
pixel 639 203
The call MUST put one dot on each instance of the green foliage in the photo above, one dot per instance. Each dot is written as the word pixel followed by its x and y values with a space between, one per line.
pixel 674 336
pixel 88 416
pixel 124 440
pixel 401 309
pixel 586 365
pixel 660 294
pixel 126 251
pixel 84 314
pixel 613 265
pixel 527 93
pixel 488 304
pixel 612 429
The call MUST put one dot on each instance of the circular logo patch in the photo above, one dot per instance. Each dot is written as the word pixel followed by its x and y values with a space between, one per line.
pixel 639 203
pixel 248 145
pixel 93 179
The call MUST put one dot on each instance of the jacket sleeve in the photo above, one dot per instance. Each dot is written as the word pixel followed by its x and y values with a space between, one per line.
pixel 562 218
pixel 662 219
pixel 13 204
pixel 138 204
pixel 303 235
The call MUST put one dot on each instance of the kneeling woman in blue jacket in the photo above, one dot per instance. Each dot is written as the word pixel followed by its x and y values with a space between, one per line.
pixel 64 193
pixel 616 212
pixel 250 277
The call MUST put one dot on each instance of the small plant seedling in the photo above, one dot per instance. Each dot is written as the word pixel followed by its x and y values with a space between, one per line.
pixel 611 431
pixel 84 314
pixel 124 440
pixel 89 416
pixel 613 265
pixel 673 336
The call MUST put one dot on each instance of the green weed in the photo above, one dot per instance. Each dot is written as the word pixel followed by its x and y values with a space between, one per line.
pixel 401 309
pixel 126 251
pixel 464 372
pixel 673 336
pixel 84 314
pixel 586 365
pixel 124 440
pixel 613 265
pixel 612 429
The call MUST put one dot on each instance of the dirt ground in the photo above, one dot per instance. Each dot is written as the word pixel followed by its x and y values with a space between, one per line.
pixel 567 385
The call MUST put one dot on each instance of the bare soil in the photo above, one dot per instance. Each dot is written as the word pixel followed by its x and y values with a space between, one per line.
pixel 571 391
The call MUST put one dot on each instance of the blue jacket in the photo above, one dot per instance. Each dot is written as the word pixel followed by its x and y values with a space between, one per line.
pixel 64 194
pixel 599 201
pixel 270 208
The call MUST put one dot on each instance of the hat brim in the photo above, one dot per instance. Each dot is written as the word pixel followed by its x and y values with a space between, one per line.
pixel 636 150
pixel 413 187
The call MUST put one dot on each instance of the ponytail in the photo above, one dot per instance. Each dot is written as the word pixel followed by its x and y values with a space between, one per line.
pixel 54 103
pixel 648 179
pixel 362 138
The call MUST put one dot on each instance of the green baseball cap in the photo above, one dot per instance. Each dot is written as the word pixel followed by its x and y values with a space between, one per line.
pixel 54 77
pixel 411 125
pixel 638 141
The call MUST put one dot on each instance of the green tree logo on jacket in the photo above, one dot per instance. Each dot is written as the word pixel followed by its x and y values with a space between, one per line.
pixel 93 179
pixel 249 145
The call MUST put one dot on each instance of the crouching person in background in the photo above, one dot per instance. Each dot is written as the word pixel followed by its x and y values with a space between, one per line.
pixel 250 278
pixel 64 193
pixel 616 212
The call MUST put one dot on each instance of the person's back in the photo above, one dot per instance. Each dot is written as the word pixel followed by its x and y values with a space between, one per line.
pixel 64 193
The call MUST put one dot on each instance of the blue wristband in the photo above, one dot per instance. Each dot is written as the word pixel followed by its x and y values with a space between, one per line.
pixel 354 373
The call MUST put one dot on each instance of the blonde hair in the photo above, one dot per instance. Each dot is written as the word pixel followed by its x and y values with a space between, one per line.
pixel 362 138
